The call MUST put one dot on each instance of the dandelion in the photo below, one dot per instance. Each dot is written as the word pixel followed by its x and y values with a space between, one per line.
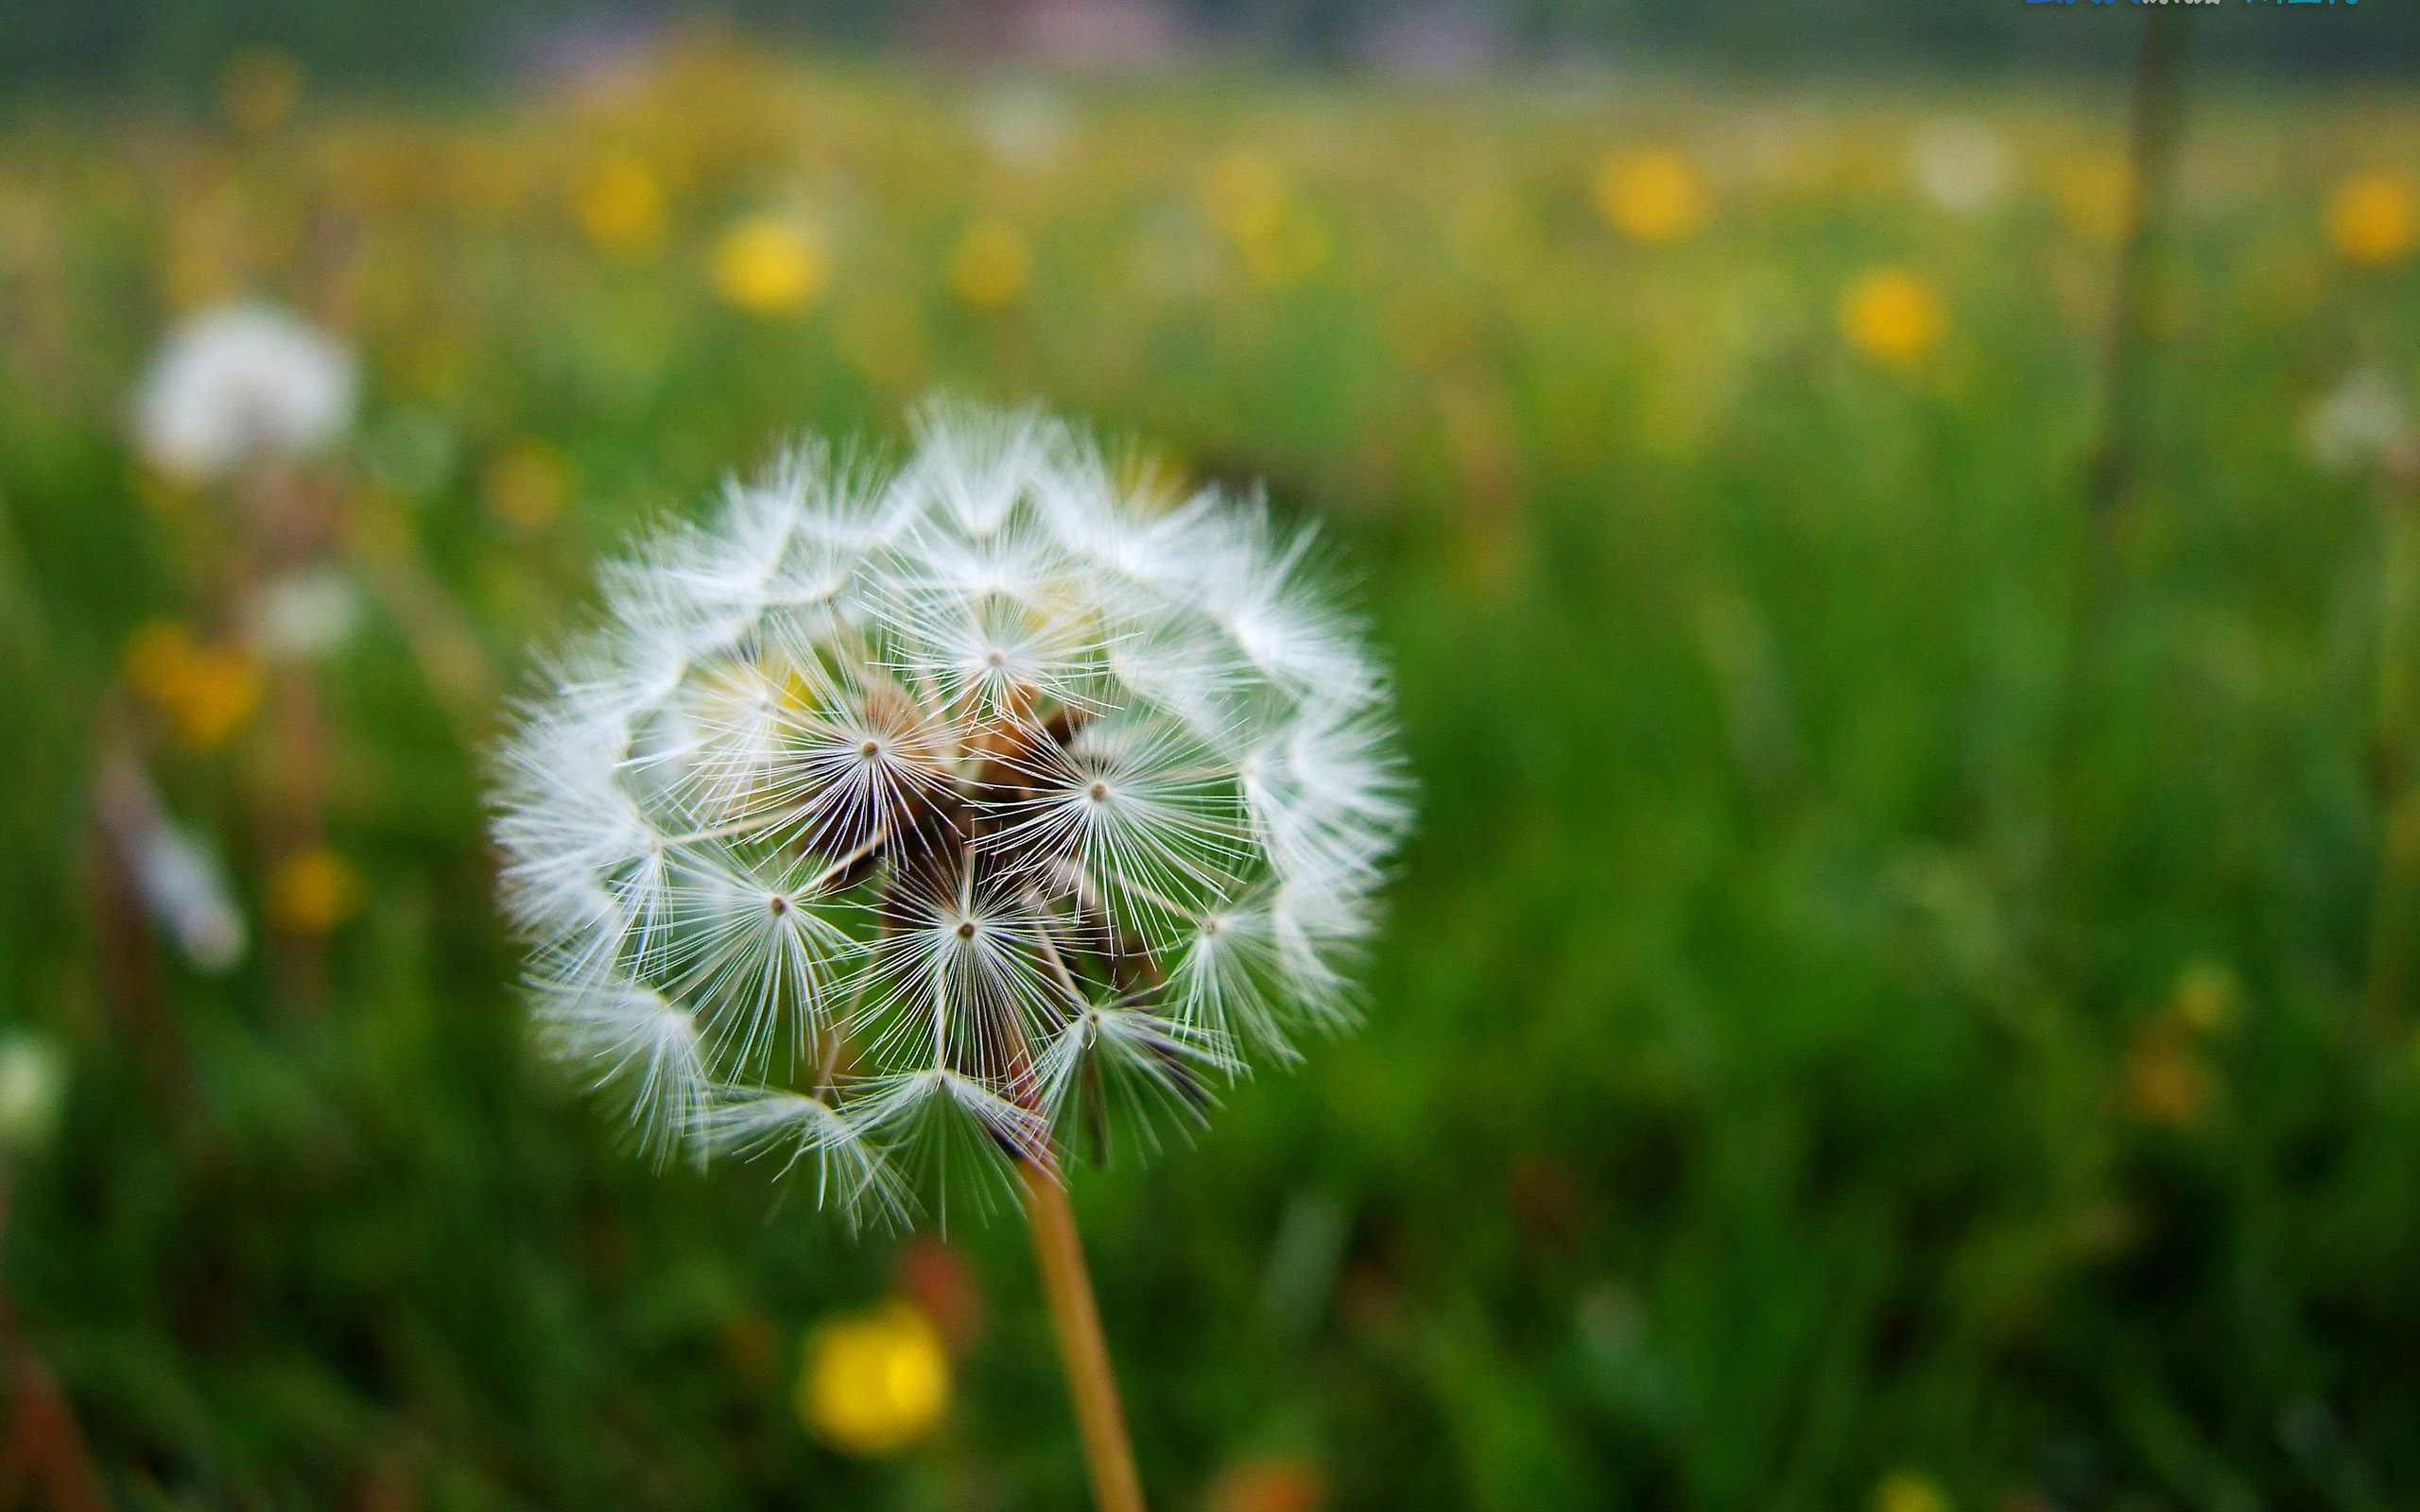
pixel 260 88
pixel 620 206
pixel 527 485
pixel 767 265
pixel 1282 1482
pixel 1961 165
pixel 171 870
pixel 1653 195
pixel 1893 315
pixel 990 265
pixel 204 694
pixel 1911 1491
pixel 2364 421
pixel 875 1384
pixel 305 614
pixel 919 826
pixel 313 891
pixel 33 1091
pixel 240 384
pixel 2374 219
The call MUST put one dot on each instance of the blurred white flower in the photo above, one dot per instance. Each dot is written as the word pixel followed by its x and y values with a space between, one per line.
pixel 174 873
pixel 306 614
pixel 242 382
pixel 1961 165
pixel 33 1090
pixel 908 821
pixel 1023 123
pixel 2365 421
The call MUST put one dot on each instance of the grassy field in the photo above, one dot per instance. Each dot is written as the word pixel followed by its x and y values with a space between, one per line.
pixel 1880 1010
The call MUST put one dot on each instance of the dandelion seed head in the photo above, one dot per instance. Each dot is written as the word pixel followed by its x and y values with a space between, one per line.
pixel 900 824
pixel 242 383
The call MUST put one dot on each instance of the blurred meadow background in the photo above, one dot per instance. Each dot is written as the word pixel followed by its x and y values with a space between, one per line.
pixel 1902 996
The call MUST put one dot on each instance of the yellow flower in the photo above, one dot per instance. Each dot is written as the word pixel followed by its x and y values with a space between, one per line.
pixel 528 485
pixel 1911 1491
pixel 2168 1080
pixel 2096 196
pixel 1652 195
pixel 205 694
pixel 260 88
pixel 989 267
pixel 875 1383
pixel 620 206
pixel 767 265
pixel 2208 998
pixel 2372 219
pixel 313 891
pixel 1245 198
pixel 1893 315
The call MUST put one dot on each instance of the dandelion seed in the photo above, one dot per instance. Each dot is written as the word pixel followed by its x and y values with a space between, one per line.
pixel 907 826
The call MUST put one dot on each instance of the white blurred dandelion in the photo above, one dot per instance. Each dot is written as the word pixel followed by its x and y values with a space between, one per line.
pixel 2364 421
pixel 1963 166
pixel 920 825
pixel 243 382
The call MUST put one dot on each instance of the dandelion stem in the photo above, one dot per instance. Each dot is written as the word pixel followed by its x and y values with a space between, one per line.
pixel 2114 467
pixel 1083 1352
pixel 2386 978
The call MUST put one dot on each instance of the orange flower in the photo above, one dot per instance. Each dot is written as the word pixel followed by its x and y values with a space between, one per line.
pixel 203 692
pixel 1653 195
pixel 1893 315
pixel 314 891
pixel 2372 219
pixel 1283 1482
pixel 620 206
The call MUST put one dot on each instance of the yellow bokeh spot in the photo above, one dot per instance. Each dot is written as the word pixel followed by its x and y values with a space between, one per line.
pixel 2373 219
pixel 2208 998
pixel 1893 315
pixel 767 265
pixel 259 88
pixel 990 265
pixel 203 692
pixel 875 1383
pixel 527 485
pixel 1911 1491
pixel 2167 1079
pixel 314 891
pixel 2095 196
pixel 1652 195
pixel 1245 196
pixel 620 206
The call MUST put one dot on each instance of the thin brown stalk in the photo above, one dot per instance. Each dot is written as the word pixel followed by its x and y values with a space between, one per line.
pixel 1100 1420
pixel 2114 469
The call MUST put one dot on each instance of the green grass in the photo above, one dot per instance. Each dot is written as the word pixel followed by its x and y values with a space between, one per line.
pixel 1744 1109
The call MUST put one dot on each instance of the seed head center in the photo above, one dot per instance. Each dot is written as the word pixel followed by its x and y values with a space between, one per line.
pixel 966 929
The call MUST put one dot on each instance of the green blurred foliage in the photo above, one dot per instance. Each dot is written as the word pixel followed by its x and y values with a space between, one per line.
pixel 1816 1036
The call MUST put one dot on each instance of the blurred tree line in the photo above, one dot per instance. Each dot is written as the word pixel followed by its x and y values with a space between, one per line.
pixel 165 45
